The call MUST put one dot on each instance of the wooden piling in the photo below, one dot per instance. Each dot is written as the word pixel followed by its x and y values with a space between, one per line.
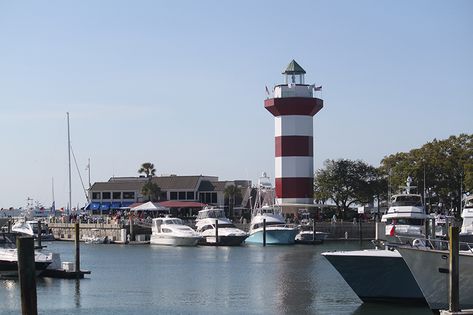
pixel 313 230
pixel 216 232
pixel 9 226
pixel 27 275
pixel 264 232
pixel 453 283
pixel 38 238
pixel 76 241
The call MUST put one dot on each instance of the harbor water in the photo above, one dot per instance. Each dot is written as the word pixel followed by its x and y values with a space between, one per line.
pixel 147 279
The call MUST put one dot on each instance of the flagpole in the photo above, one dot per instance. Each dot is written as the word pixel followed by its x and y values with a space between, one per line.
pixel 69 155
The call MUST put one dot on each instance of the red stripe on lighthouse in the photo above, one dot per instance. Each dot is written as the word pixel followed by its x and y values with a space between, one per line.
pixel 295 187
pixel 294 146
pixel 293 106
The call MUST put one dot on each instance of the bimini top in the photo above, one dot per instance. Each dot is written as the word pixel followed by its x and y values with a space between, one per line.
pixel 294 68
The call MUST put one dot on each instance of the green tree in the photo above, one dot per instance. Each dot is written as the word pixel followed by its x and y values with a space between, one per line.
pixel 232 193
pixel 148 169
pixel 346 183
pixel 446 165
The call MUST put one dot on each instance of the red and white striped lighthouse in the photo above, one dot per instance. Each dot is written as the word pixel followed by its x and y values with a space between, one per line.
pixel 293 106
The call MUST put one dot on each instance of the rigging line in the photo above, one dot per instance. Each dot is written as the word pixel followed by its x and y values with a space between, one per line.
pixel 80 176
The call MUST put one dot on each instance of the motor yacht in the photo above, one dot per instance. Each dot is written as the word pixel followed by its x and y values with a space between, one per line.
pixel 306 235
pixel 382 274
pixel 9 257
pixel 466 232
pixel 173 232
pixel 430 268
pixel 30 228
pixel 209 220
pixel 277 231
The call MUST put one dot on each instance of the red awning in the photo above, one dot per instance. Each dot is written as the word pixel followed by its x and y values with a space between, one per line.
pixel 181 204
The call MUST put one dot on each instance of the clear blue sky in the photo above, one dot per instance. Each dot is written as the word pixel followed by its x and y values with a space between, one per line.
pixel 182 84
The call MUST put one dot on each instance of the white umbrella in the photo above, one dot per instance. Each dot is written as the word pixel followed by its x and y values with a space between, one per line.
pixel 149 206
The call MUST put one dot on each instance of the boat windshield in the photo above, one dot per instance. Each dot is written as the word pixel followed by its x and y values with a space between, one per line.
pixel 173 221
pixel 414 201
pixel 405 221
pixel 258 225
pixel 226 225
pixel 213 214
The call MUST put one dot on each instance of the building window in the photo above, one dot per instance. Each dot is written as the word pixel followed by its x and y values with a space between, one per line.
pixel 128 195
pixel 190 195
pixel 96 195
pixel 182 195
pixel 214 197
pixel 117 195
pixel 173 195
pixel 106 195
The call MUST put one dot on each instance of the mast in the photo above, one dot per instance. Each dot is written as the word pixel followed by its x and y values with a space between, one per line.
pixel 69 159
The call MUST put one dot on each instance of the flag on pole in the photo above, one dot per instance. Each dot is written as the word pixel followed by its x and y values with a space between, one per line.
pixel 267 90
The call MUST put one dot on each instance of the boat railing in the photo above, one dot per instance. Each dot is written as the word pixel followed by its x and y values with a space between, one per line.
pixel 438 244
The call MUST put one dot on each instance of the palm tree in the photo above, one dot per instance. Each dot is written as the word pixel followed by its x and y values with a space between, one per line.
pixel 231 193
pixel 151 190
pixel 148 169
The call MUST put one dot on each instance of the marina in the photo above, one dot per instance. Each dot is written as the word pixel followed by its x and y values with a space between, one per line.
pixel 201 280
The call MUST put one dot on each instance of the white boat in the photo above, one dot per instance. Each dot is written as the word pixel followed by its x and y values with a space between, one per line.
pixel 277 231
pixel 306 235
pixel 430 268
pixel 306 231
pixel 9 258
pixel 382 274
pixel 207 222
pixel 94 238
pixel 172 231
pixel 405 217
pixel 466 232
pixel 265 212
pixel 30 228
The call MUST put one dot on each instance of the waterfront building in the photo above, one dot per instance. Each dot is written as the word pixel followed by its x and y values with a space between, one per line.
pixel 182 192
pixel 293 105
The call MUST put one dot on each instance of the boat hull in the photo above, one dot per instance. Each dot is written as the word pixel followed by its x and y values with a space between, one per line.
pixel 9 269
pixel 377 275
pixel 431 271
pixel 224 240
pixel 284 236
pixel 173 240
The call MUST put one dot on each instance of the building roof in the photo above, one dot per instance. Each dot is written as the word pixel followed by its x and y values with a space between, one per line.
pixel 119 185
pixel 294 68
pixel 177 182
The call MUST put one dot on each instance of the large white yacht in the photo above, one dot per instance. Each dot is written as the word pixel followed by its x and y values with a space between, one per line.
pixel 430 269
pixel 172 231
pixel 382 274
pixel 466 233
pixel 207 222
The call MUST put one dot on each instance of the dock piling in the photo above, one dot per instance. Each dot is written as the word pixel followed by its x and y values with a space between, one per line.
pixel 27 275
pixel 264 232
pixel 313 230
pixel 76 240
pixel 453 283
pixel 38 239
pixel 216 232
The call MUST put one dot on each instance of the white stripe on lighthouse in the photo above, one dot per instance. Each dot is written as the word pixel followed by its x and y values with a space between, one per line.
pixel 293 125
pixel 294 166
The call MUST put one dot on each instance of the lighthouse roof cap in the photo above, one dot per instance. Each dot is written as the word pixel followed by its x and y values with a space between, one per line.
pixel 294 68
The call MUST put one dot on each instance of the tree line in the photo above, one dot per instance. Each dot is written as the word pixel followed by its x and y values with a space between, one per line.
pixel 443 167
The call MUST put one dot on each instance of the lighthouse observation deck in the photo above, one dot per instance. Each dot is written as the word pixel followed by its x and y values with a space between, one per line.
pixel 293 90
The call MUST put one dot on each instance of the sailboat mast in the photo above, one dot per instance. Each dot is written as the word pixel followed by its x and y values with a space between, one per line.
pixel 69 155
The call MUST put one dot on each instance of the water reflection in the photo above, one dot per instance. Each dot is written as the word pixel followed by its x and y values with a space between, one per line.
pixel 295 287
pixel 77 293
